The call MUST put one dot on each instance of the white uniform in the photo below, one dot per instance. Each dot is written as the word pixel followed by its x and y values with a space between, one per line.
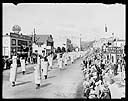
pixel 42 63
pixel 58 56
pixel 13 69
pixel 45 68
pixel 50 60
pixel 72 57
pixel 23 67
pixel 37 72
pixel 60 63
pixel 65 58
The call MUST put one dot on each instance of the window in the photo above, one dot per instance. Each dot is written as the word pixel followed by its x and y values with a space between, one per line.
pixel 13 41
pixel 19 42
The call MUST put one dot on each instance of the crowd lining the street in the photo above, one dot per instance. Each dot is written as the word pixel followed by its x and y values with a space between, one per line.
pixel 98 73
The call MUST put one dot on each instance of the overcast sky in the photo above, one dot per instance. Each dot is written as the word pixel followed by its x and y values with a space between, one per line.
pixel 66 20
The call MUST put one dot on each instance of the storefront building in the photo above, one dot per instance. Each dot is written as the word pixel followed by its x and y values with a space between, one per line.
pixel 13 42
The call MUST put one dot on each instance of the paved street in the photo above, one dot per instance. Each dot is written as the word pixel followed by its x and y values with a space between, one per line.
pixel 60 84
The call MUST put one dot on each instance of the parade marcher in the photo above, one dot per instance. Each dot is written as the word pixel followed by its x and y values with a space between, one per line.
pixel 23 67
pixel 45 67
pixel 58 57
pixel 50 60
pixel 37 72
pixel 60 62
pixel 72 57
pixel 65 59
pixel 13 70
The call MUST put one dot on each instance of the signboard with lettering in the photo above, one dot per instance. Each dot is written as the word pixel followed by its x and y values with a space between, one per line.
pixel 113 50
pixel 20 36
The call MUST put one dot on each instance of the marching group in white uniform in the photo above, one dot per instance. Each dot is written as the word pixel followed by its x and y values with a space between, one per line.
pixel 43 64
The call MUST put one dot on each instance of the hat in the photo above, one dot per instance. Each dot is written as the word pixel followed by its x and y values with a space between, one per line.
pixel 105 85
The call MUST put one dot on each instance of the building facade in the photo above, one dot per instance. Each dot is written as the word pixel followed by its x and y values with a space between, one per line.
pixel 12 43
pixel 43 45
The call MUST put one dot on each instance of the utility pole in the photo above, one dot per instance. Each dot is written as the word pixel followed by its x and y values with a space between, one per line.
pixel 34 36
pixel 80 42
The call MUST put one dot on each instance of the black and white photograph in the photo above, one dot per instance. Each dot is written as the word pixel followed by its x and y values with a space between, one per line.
pixel 63 51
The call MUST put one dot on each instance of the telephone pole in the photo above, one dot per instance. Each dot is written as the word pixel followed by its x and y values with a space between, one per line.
pixel 34 36
pixel 80 42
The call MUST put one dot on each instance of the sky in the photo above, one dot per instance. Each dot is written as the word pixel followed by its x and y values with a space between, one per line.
pixel 66 20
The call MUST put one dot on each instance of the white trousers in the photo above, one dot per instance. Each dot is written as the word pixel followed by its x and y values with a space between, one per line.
pixel 37 74
pixel 23 67
pixel 13 71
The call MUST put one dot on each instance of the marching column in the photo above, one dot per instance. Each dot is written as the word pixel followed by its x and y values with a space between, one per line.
pixel 13 70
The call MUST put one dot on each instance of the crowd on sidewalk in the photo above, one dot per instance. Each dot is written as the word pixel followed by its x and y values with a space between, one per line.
pixel 98 73
pixel 43 64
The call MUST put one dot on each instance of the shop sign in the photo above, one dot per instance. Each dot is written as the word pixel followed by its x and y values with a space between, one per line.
pixel 14 35
pixel 20 36
pixel 114 50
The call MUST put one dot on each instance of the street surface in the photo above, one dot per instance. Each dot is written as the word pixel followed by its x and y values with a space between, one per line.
pixel 66 83
pixel 60 83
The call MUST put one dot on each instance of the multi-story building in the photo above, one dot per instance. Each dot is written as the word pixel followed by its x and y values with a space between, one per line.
pixel 12 43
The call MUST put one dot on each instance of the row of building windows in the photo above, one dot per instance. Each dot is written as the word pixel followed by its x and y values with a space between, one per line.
pixel 20 42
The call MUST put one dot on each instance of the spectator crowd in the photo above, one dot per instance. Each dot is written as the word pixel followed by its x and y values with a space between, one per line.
pixel 98 73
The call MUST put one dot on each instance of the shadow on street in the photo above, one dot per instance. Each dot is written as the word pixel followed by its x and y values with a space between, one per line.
pixel 23 83
pixel 79 92
pixel 45 85
pixel 51 76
